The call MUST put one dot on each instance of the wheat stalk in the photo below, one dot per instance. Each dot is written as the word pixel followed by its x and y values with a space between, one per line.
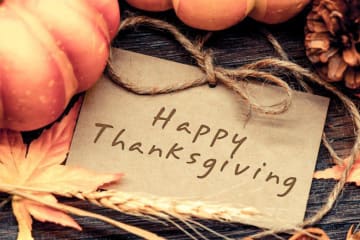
pixel 150 206
pixel 80 212
pixel 165 208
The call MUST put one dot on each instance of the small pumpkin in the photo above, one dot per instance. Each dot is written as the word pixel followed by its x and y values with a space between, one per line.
pixel 212 14
pixel 49 51
pixel 217 15
pixel 151 5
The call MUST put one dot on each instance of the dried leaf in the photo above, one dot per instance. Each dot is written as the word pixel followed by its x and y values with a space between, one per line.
pixel 351 235
pixel 44 214
pixel 336 171
pixel 36 168
pixel 66 180
pixel 23 218
pixel 310 234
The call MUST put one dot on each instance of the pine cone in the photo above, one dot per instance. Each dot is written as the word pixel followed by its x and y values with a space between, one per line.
pixel 332 40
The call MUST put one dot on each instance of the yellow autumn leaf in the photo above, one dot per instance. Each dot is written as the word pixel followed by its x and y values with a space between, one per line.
pixel 336 171
pixel 37 169
pixel 353 234
pixel 310 234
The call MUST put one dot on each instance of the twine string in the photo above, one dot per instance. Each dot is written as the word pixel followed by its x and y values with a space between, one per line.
pixel 213 74
pixel 280 51
pixel 231 77
pixel 334 194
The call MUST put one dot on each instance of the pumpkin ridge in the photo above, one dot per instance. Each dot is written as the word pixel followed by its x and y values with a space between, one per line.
pixel 2 114
pixel 50 50
pixel 58 56
pixel 80 50
pixel 110 11
pixel 62 72
pixel 101 25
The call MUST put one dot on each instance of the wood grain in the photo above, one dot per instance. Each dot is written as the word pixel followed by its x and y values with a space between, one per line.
pixel 233 47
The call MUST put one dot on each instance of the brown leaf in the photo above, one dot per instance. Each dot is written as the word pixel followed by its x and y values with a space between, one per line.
pixel 351 235
pixel 336 171
pixel 43 214
pixel 36 168
pixel 23 218
pixel 310 234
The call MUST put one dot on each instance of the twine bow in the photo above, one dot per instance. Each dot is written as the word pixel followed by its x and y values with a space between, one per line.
pixel 230 78
pixel 234 79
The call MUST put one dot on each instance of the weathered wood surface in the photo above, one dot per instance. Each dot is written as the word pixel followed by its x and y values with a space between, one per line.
pixel 234 47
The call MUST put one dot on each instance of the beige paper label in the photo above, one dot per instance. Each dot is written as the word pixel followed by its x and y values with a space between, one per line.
pixel 194 144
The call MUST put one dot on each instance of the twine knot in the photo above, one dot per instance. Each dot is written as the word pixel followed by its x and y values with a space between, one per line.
pixel 209 69
pixel 230 78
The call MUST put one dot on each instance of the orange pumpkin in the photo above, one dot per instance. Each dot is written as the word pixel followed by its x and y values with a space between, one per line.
pixel 151 5
pixel 49 51
pixel 217 15
pixel 212 14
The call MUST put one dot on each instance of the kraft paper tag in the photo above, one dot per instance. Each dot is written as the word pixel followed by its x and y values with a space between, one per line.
pixel 194 144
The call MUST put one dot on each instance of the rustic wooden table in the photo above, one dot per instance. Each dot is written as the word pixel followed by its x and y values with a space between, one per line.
pixel 233 47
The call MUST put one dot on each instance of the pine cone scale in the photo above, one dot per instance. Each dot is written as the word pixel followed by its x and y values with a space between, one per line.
pixel 319 41
pixel 318 27
pixel 350 57
pixel 325 56
pixel 337 67
pixel 332 39
pixel 352 79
